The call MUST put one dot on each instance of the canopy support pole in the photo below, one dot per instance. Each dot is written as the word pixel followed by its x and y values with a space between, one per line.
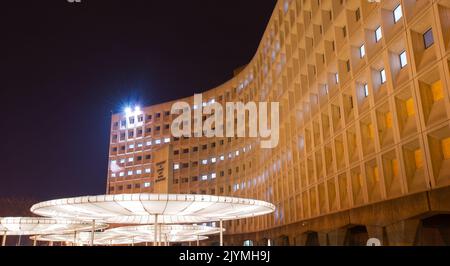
pixel 4 239
pixel 35 241
pixel 221 232
pixel 74 238
pixel 92 233
pixel 19 240
pixel 198 240
pixel 155 240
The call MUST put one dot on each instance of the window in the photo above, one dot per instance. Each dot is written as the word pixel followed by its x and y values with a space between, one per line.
pixel 158 141
pixel 378 34
pixel 113 175
pixel 204 162
pixel 131 120
pixel 176 166
pixel 149 143
pixel 121 174
pixel 139 145
pixel 148 171
pixel 366 90
pixel 398 13
pixel 347 64
pixel 428 38
pixel 147 184
pixel 362 51
pixel 222 158
pixel 140 118
pixel 213 176
pixel 383 76
pixel 403 60
pixel 131 146
pixel 326 89
pixel 336 78
pixel 130 159
pixel 138 172
pixel 166 140
pixel 237 153
pixel 130 172
pixel 204 177
pixel 358 14
pixel 213 159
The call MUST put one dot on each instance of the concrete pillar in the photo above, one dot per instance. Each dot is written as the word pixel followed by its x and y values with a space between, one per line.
pixel 378 233
pixel 337 237
pixel 323 239
pixel 402 233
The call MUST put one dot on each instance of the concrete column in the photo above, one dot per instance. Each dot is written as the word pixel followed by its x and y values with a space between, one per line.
pixel 378 233
pixel 402 233
pixel 336 237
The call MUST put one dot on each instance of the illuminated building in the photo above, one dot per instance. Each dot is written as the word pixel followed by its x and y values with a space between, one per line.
pixel 364 129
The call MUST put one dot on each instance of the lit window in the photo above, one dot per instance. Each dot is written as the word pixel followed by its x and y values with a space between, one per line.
pixel 138 172
pixel 204 177
pixel 195 107
pixel 121 174
pixel 213 159
pixel 147 184
pixel 213 175
pixel 378 34
pixel 428 38
pixel 130 172
pixel 149 143
pixel 130 159
pixel 230 155
pixel 336 78
pixel 398 14
pixel 131 146
pixel 204 161
pixel 403 60
pixel 113 175
pixel 139 145
pixel 122 160
pixel 158 141
pixel 222 158
pixel 366 90
pixel 176 166
pixel 148 171
pixel 326 89
pixel 362 51
pixel 383 76
pixel 166 140
pixel 204 104
pixel 113 162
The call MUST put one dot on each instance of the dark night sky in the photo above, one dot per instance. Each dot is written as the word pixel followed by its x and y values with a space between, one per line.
pixel 64 67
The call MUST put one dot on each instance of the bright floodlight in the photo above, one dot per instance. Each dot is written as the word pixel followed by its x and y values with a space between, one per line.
pixel 128 111
pixel 137 109
pixel 154 208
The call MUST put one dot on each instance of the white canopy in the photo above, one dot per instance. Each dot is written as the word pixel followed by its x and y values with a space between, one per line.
pixel 111 238
pixel 38 226
pixel 151 208
pixel 172 230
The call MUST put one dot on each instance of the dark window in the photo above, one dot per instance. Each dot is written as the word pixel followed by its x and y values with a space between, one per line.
pixel 428 38
pixel 128 186
pixel 348 65
pixel 148 157
pixel 358 14
pixel 139 158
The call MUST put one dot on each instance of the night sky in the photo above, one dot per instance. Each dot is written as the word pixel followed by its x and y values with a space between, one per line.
pixel 64 67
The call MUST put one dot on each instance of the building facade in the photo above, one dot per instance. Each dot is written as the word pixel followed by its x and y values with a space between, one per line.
pixel 364 148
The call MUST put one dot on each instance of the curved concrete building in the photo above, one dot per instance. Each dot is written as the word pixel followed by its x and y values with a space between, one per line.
pixel 364 145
